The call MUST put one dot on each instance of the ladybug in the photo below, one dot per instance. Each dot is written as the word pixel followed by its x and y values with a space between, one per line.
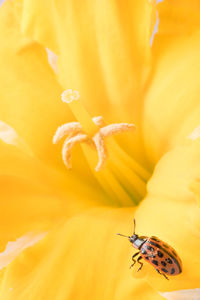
pixel 156 252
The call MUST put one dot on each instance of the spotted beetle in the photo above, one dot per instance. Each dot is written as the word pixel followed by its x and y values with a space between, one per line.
pixel 156 252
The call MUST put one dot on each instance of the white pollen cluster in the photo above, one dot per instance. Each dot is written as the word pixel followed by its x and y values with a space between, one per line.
pixel 69 95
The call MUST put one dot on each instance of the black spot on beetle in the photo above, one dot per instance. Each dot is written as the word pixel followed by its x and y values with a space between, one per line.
pixel 143 251
pixel 152 255
pixel 163 263
pixel 166 246
pixel 172 271
pixel 174 253
pixel 155 262
pixel 150 248
pixel 146 257
pixel 160 254
pixel 168 260
pixel 164 270
pixel 155 244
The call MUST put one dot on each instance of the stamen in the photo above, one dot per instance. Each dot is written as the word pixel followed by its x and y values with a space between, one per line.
pixel 116 128
pixel 101 150
pixel 68 145
pixel 72 127
pixel 107 131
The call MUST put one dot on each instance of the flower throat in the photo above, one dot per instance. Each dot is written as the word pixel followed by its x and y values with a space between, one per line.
pixel 119 175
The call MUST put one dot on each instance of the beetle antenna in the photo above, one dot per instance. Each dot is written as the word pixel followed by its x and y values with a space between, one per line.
pixel 134 225
pixel 123 235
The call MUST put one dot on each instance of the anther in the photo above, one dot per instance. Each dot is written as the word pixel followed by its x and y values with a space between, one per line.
pixel 116 128
pixel 68 128
pixel 68 145
pixel 101 150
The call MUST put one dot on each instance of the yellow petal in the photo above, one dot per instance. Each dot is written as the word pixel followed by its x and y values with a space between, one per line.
pixel 172 106
pixel 29 91
pixel 103 51
pixel 170 212
pixel 10 136
pixel 179 17
pixel 14 248
pixel 34 196
pixel 83 258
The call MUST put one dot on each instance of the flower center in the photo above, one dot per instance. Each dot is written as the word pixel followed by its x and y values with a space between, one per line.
pixel 121 176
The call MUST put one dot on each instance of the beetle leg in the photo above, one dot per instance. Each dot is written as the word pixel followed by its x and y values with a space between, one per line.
pixel 162 274
pixel 141 264
pixel 134 261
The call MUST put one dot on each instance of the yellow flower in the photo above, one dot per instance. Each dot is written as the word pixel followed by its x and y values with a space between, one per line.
pixel 58 227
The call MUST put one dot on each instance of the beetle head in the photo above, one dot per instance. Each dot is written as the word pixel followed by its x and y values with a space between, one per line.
pixel 133 237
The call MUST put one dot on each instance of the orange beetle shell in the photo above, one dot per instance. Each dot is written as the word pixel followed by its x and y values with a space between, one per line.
pixel 161 256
